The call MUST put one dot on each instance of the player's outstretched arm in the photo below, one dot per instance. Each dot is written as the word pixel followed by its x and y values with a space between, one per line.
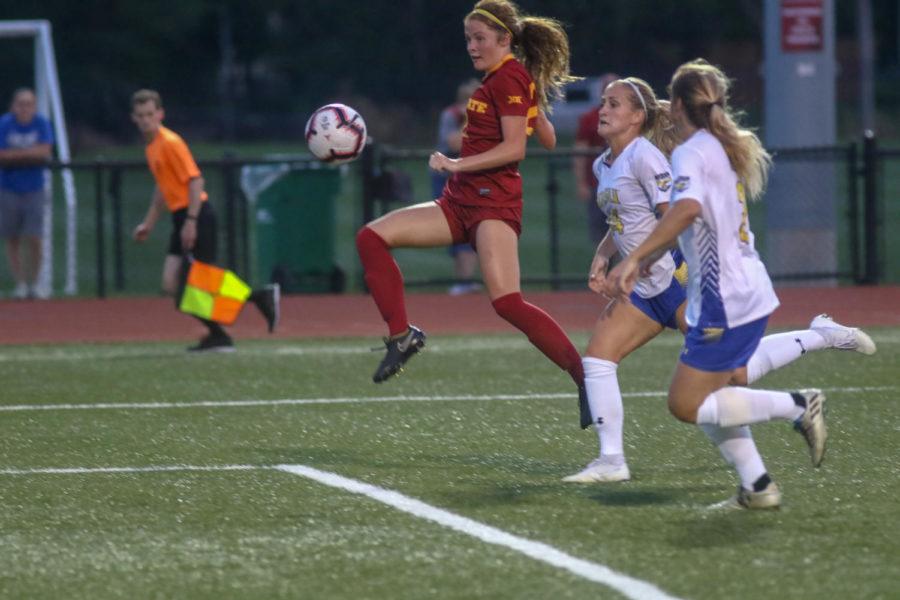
pixel 142 231
pixel 679 217
pixel 597 275
pixel 510 150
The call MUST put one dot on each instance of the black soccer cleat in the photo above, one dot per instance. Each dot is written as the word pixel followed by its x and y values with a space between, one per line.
pixel 213 342
pixel 268 301
pixel 584 409
pixel 399 350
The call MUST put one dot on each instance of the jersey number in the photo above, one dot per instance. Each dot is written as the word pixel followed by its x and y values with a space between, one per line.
pixel 744 229
pixel 608 201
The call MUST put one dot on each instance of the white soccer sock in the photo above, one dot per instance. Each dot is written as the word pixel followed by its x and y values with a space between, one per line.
pixel 605 400
pixel 732 406
pixel 775 351
pixel 738 448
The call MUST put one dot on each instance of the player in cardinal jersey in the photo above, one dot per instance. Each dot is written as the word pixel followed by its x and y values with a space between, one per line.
pixel 730 296
pixel 525 60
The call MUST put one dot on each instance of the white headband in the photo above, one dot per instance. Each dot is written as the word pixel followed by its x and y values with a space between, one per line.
pixel 638 92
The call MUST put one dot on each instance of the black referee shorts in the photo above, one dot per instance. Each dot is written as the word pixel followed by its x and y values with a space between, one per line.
pixel 205 246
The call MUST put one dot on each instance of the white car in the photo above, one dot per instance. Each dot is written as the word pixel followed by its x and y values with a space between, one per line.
pixel 580 96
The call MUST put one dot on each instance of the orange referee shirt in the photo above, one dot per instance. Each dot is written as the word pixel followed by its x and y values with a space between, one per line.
pixel 173 167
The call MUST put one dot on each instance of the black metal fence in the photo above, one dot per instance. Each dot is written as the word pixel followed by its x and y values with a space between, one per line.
pixel 829 231
pixel 857 184
pixel 113 197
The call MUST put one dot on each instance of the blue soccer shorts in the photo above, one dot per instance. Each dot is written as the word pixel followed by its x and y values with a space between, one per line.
pixel 662 307
pixel 717 349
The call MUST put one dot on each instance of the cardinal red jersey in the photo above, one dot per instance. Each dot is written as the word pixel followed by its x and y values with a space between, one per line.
pixel 506 91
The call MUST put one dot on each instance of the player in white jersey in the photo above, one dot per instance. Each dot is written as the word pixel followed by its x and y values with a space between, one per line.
pixel 634 183
pixel 730 296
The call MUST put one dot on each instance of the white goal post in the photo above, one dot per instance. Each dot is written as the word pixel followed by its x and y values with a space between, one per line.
pixel 49 98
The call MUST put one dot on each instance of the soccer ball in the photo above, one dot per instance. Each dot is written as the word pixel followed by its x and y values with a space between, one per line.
pixel 336 134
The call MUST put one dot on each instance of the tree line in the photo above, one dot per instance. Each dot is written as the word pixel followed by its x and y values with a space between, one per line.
pixel 231 68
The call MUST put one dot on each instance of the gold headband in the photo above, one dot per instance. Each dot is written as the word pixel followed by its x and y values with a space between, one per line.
pixel 493 18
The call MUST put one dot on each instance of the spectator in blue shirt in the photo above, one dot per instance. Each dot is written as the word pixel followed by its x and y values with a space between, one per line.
pixel 26 141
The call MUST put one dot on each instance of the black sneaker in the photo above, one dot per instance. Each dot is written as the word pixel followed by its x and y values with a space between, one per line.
pixel 584 409
pixel 214 343
pixel 399 350
pixel 268 300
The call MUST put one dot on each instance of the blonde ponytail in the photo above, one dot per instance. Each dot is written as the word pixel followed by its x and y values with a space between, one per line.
pixel 662 131
pixel 703 90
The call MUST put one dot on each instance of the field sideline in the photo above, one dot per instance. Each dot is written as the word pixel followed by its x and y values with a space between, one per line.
pixel 154 319
pixel 130 470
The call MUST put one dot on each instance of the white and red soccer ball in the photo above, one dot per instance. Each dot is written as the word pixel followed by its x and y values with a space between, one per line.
pixel 335 133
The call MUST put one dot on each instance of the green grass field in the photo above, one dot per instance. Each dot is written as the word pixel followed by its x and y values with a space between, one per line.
pixel 481 428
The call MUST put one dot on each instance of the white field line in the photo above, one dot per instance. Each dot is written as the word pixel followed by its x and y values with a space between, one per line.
pixel 111 351
pixel 358 400
pixel 151 469
pixel 296 401
pixel 450 345
pixel 630 587
pixel 627 586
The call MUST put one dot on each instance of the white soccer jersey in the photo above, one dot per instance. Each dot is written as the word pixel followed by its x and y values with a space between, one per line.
pixel 728 284
pixel 628 191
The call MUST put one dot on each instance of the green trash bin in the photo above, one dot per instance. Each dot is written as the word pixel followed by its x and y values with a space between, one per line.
pixel 292 208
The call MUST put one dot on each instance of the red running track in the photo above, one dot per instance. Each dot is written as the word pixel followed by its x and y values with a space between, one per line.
pixel 130 319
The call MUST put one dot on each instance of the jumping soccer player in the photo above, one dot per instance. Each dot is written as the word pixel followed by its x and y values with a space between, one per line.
pixel 525 60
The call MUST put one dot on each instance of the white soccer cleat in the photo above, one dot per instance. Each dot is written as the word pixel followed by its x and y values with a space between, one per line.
pixel 811 424
pixel 600 471
pixel 767 499
pixel 842 337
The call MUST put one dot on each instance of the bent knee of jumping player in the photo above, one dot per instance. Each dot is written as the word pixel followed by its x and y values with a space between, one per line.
pixel 370 240
pixel 739 377
pixel 683 408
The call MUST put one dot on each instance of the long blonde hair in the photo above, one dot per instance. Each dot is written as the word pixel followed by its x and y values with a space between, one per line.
pixel 703 90
pixel 540 43
pixel 657 125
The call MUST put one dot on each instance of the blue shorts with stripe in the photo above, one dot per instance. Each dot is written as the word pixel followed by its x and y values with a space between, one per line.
pixel 717 349
pixel 662 307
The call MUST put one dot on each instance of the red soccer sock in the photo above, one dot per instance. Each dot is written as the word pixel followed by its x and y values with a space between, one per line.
pixel 384 279
pixel 543 332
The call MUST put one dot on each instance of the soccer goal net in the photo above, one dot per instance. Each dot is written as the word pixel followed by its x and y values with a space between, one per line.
pixel 46 87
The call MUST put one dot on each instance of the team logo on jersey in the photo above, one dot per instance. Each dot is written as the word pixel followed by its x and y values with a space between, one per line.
pixel 607 197
pixel 663 181
pixel 514 99
pixel 682 183
pixel 477 106
pixel 615 221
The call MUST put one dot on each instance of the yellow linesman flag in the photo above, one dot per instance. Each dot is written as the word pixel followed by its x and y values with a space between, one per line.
pixel 213 293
